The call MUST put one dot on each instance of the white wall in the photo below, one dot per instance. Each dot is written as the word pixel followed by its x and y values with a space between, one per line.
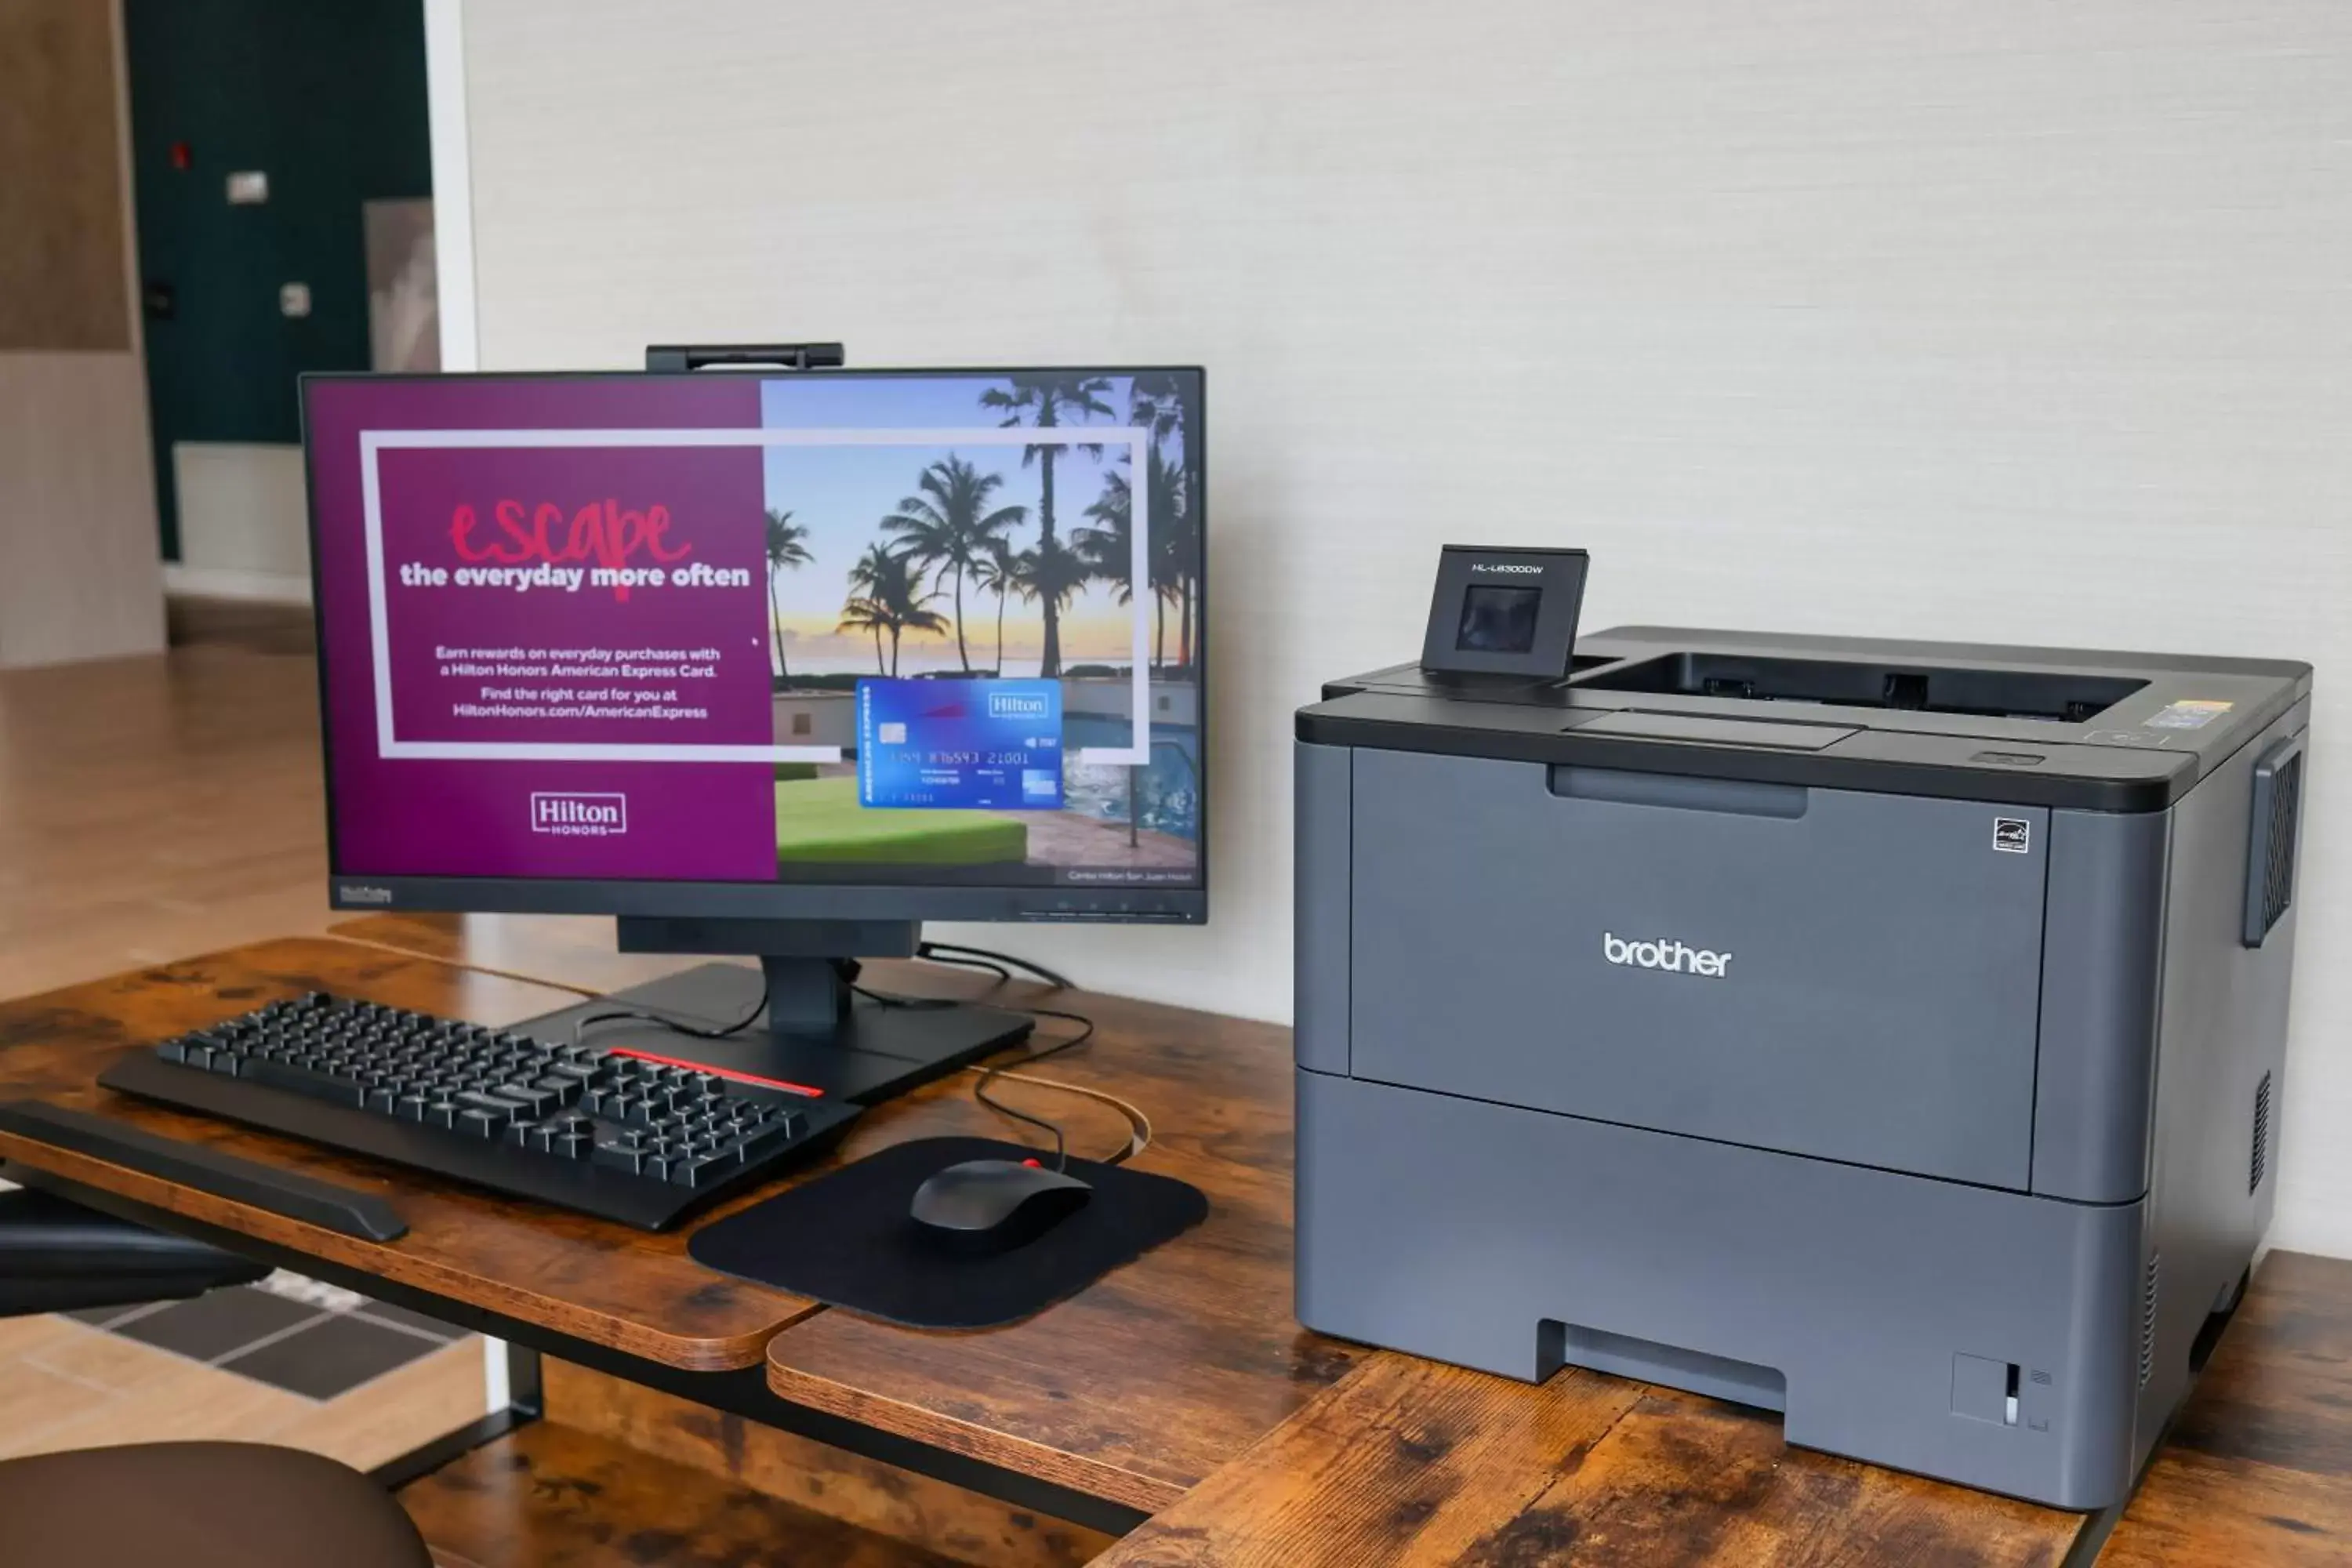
pixel 244 521
pixel 1986 319
pixel 79 574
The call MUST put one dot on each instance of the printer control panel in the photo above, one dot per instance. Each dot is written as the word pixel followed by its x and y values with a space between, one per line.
pixel 1500 611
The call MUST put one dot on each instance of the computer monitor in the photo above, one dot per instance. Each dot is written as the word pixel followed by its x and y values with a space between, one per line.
pixel 779 664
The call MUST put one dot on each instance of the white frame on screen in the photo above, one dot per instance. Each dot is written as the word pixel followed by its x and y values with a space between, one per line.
pixel 1136 752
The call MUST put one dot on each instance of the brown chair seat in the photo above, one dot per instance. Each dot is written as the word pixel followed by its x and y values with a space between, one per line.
pixel 199 1505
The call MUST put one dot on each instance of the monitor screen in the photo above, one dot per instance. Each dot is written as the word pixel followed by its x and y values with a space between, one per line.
pixel 873 644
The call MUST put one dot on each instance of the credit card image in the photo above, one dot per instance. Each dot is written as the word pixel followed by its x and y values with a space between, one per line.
pixel 961 744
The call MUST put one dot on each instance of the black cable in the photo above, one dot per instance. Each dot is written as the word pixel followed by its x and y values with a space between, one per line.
pixel 913 1004
pixel 994 959
pixel 1004 975
pixel 980 1090
pixel 678 1025
pixel 990 1074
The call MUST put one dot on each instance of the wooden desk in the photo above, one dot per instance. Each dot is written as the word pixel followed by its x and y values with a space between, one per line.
pixel 1181 1386
pixel 603 1283
pixel 1134 1391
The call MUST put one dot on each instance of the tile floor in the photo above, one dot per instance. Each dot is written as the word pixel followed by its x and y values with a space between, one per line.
pixel 289 1360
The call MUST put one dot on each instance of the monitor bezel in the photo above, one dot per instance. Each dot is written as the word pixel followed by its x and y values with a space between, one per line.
pixel 1127 904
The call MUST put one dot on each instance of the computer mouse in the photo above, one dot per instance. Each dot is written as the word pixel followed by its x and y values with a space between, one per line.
pixel 984 1206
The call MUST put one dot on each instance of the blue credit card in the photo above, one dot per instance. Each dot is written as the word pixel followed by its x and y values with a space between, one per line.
pixel 961 743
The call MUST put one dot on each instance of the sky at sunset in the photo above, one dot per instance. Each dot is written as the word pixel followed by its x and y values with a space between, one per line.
pixel 841 493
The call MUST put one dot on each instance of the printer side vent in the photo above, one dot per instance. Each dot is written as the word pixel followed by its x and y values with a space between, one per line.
pixel 2269 871
pixel 2262 1157
pixel 2148 1318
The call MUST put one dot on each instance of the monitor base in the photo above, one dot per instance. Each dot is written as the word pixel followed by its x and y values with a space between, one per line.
pixel 867 1054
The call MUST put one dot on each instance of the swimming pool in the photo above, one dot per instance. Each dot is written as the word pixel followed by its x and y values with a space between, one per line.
pixel 1168 792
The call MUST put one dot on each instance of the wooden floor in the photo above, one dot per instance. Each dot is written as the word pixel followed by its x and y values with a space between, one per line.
pixel 551 1495
pixel 65 1385
pixel 155 807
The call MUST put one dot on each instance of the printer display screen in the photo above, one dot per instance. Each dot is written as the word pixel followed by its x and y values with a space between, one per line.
pixel 1498 620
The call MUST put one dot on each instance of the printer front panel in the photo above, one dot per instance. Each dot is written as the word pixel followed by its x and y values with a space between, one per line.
pixel 1881 1313
pixel 1849 975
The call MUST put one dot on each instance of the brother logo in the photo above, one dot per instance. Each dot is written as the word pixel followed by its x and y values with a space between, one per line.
pixel 1668 955
pixel 361 893
pixel 1499 566
pixel 1015 705
pixel 579 815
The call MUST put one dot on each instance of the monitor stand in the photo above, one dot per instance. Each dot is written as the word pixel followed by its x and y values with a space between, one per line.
pixel 815 1033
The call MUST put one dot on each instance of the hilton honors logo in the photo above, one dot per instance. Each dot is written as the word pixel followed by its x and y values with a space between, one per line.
pixel 578 814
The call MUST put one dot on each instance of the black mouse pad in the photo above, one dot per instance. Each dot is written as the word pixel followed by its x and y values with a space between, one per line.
pixel 846 1239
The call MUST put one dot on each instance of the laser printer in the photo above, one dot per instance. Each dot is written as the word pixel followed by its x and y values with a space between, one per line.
pixel 1886 1032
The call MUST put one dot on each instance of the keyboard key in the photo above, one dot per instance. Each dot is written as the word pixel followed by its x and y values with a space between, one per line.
pixel 757 1143
pixel 301 1080
pixel 539 1102
pixel 697 1169
pixel 479 1123
pixel 616 1155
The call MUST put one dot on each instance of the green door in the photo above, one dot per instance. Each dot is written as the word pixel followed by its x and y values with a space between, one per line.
pixel 327 102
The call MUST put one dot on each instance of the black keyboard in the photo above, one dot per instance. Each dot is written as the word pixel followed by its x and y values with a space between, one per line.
pixel 611 1134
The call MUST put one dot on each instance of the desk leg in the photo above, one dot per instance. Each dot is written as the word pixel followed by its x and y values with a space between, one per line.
pixel 526 1400
pixel 525 1393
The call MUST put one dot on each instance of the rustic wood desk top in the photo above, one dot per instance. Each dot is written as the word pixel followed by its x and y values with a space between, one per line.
pixel 1409 1462
pixel 1139 1387
pixel 1181 1384
pixel 598 1281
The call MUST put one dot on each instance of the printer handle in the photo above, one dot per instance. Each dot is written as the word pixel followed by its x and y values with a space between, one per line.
pixel 1680 792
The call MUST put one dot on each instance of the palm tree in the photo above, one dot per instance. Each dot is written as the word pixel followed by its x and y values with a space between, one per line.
pixel 948 525
pixel 994 572
pixel 892 601
pixel 1155 402
pixel 1044 402
pixel 1050 572
pixel 865 611
pixel 1108 550
pixel 863 615
pixel 787 550
pixel 1181 543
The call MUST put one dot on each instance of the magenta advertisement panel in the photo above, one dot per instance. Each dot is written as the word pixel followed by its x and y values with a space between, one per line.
pixel 527 597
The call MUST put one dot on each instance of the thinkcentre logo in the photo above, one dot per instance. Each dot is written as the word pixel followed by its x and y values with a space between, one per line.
pixel 1664 953
pixel 578 814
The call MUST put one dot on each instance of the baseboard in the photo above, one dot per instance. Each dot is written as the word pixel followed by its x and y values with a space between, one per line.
pixel 229 582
